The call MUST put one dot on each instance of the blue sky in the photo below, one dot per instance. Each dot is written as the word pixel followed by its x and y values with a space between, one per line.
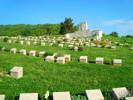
pixel 107 15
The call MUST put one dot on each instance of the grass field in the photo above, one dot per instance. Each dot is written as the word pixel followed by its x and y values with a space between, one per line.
pixel 40 76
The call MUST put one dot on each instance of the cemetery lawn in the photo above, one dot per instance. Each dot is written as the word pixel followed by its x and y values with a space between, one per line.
pixel 40 76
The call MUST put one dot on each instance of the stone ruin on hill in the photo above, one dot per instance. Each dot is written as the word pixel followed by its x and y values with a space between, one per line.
pixel 84 32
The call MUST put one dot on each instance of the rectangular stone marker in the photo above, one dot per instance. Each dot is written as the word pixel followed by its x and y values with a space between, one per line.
pixel 35 43
pixel 13 50
pixel 99 60
pixel 27 42
pixel 3 49
pixel 28 96
pixel 2 97
pixel 94 94
pixel 76 48
pixel 67 57
pixel 32 53
pixel 51 44
pixel 83 59
pixel 70 46
pixel 42 43
pixel 41 54
pixel 60 60
pixel 22 51
pixel 113 47
pixel 9 41
pixel 120 93
pixel 60 45
pixel 131 48
pixel 129 98
pixel 49 59
pixel 61 96
pixel 16 72
pixel 22 42
pixel 117 62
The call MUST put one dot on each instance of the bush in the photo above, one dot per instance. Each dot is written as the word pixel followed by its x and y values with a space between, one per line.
pixel 108 62
pixel 5 39
pixel 79 97
pixel 7 49
pixel 48 54
pixel 80 48
pixel 1 47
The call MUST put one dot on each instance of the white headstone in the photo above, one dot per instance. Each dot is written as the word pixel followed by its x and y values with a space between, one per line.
pixel 94 94
pixel 22 51
pixel 32 53
pixel 60 45
pixel 113 47
pixel 60 60
pixel 131 48
pixel 27 42
pixel 28 96
pixel 120 93
pixel 99 60
pixel 2 97
pixel 13 50
pixel 42 43
pixel 9 41
pixel 41 54
pixel 76 48
pixel 67 57
pixel 22 42
pixel 49 59
pixel 16 72
pixel 117 62
pixel 83 59
pixel 61 96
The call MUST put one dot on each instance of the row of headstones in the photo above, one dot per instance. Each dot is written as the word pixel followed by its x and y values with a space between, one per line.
pixel 96 94
pixel 24 52
pixel 83 59
pixel 59 38
pixel 64 58
pixel 74 46
pixel 100 60
pixel 70 44
pixel 61 44
pixel 55 57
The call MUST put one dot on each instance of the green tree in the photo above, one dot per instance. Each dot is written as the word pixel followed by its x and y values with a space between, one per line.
pixel 115 34
pixel 29 30
pixel 129 36
pixel 67 26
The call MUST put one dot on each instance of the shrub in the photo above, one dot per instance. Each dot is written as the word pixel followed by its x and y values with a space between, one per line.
pixel 1 47
pixel 5 39
pixel 7 49
pixel 80 48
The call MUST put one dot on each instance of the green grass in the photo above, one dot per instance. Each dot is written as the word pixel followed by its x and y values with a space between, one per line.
pixel 40 76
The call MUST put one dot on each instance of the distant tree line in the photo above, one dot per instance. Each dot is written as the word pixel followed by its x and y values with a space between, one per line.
pixel 27 30
pixel 39 29
pixel 115 34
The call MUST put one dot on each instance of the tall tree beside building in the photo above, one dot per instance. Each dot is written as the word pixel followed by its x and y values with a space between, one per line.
pixel 67 26
pixel 115 34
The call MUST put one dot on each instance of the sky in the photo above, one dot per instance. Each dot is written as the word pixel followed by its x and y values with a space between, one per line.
pixel 105 15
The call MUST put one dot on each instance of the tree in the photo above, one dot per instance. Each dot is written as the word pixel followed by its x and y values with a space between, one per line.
pixel 67 26
pixel 115 34
pixel 27 29
pixel 129 36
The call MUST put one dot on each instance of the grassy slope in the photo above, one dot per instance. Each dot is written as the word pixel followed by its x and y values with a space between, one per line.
pixel 75 77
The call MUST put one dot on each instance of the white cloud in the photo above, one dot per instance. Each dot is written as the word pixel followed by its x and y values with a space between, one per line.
pixel 120 25
pixel 119 22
